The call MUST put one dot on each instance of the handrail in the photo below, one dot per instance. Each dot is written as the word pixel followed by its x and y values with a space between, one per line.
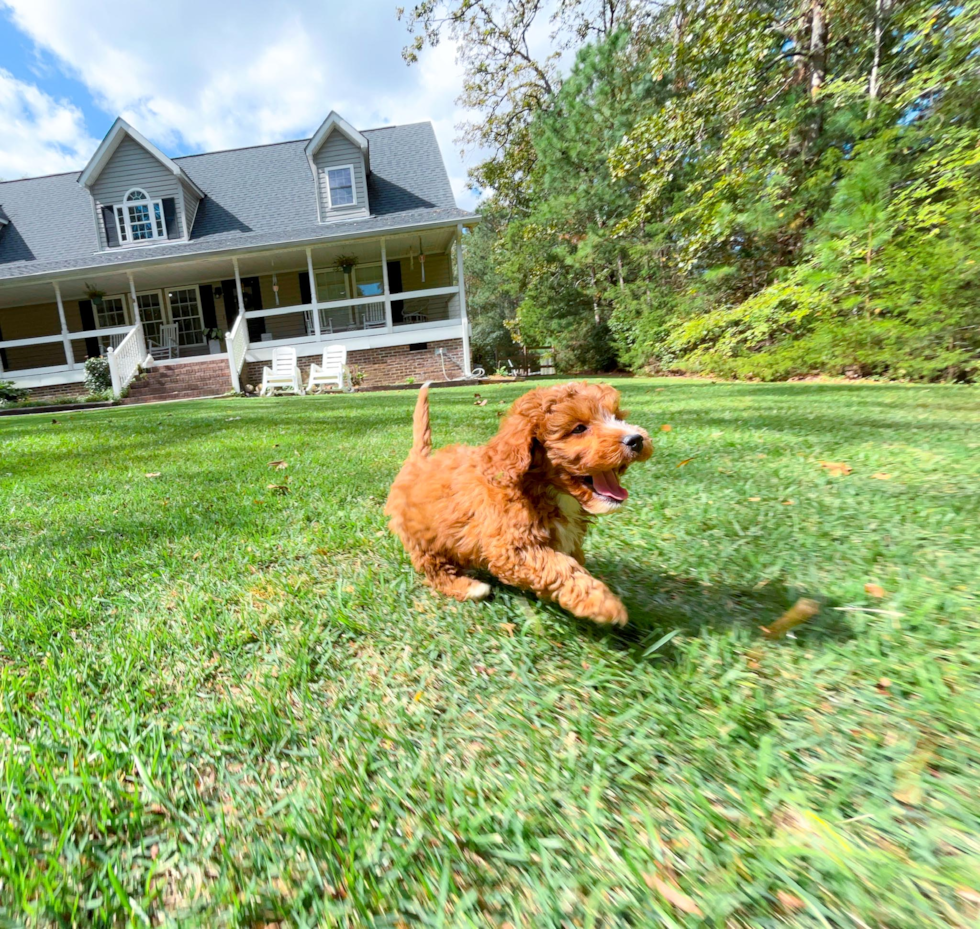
pixel 48 339
pixel 125 359
pixel 403 295
pixel 39 340
pixel 236 342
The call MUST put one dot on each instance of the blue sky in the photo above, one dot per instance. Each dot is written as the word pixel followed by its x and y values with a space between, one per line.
pixel 194 75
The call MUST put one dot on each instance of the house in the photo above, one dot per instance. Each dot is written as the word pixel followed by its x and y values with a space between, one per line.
pixel 349 236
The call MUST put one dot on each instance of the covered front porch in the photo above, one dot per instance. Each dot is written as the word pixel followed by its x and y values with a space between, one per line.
pixel 395 290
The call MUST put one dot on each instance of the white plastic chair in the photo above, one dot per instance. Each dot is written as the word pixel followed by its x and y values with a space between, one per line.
pixel 167 344
pixel 284 373
pixel 374 315
pixel 333 371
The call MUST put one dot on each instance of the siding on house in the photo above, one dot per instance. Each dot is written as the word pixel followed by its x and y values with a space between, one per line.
pixel 191 202
pixel 289 325
pixel 131 166
pixel 438 272
pixel 336 152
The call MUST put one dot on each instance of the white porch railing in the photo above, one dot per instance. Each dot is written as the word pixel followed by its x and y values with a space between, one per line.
pixel 125 359
pixel 236 342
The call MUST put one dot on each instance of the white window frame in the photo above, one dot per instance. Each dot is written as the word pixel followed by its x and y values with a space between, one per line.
pixel 353 185
pixel 124 228
pixel 200 310
pixel 127 313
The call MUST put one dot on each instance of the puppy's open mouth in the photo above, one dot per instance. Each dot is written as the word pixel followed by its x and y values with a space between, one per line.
pixel 606 485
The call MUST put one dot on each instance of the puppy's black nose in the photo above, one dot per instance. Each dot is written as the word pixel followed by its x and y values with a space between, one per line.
pixel 634 443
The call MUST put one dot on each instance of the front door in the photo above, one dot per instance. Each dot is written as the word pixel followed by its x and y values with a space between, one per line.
pixel 181 306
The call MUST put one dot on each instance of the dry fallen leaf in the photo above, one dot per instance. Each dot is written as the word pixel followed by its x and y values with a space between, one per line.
pixel 672 895
pixel 881 476
pixel 279 465
pixel 884 683
pixel 278 488
pixel 874 590
pixel 666 428
pixel 479 403
pixel 789 503
pixel 789 901
pixel 680 464
pixel 799 612
pixel 153 474
pixel 508 628
pixel 910 793
pixel 837 468
pixel 754 499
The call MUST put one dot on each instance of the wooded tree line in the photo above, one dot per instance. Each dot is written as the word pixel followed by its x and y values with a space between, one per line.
pixel 756 189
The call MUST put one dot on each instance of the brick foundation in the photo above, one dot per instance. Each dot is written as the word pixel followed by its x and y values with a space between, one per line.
pixel 56 391
pixel 381 367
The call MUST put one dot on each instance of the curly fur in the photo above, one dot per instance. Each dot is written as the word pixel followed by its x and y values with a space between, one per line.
pixel 519 506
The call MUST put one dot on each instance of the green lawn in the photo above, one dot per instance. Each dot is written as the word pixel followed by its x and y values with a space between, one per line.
pixel 228 704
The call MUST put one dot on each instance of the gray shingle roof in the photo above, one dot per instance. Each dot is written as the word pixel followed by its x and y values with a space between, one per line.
pixel 256 197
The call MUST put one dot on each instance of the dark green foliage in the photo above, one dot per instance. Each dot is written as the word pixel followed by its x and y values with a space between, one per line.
pixel 97 376
pixel 728 188
pixel 11 393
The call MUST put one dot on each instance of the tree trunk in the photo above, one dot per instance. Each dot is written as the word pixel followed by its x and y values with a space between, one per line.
pixel 818 49
pixel 882 8
pixel 678 25
pixel 818 69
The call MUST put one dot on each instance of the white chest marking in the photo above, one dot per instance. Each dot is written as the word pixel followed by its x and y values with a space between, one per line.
pixel 569 529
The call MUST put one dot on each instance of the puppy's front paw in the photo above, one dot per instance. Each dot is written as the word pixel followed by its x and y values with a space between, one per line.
pixel 602 606
pixel 610 612
pixel 478 590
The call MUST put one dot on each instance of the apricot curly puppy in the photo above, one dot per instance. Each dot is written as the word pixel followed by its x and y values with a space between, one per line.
pixel 519 506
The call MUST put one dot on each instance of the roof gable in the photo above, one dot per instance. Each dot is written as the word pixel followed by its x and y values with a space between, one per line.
pixel 336 122
pixel 114 137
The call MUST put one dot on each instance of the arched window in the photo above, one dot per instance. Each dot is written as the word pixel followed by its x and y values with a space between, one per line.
pixel 139 219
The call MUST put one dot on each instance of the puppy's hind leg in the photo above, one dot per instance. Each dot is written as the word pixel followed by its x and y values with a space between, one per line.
pixel 447 578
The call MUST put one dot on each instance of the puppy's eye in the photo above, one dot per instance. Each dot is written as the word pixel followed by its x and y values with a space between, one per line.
pixel 579 429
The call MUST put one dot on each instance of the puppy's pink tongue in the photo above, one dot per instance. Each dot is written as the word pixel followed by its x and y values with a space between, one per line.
pixel 608 485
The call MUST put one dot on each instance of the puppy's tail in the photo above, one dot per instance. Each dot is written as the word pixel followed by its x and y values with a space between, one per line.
pixel 421 430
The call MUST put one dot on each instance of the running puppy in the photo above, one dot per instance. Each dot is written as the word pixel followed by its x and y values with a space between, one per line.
pixel 519 506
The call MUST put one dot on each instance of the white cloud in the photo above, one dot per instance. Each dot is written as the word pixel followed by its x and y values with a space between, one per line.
pixel 40 135
pixel 204 76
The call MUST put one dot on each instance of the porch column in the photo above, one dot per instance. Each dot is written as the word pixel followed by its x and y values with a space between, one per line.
pixel 462 299
pixel 387 290
pixel 241 298
pixel 137 321
pixel 65 335
pixel 313 294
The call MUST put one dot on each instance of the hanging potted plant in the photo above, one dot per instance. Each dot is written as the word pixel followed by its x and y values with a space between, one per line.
pixel 95 295
pixel 345 263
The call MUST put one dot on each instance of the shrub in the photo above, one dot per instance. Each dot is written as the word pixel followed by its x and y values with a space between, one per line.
pixel 97 376
pixel 10 393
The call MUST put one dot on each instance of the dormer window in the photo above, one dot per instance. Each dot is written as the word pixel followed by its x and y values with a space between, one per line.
pixel 340 182
pixel 139 219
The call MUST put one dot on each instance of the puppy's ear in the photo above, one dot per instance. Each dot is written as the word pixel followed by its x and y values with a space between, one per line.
pixel 509 452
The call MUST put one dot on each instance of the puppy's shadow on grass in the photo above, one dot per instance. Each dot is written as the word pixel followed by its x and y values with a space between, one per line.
pixel 659 604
